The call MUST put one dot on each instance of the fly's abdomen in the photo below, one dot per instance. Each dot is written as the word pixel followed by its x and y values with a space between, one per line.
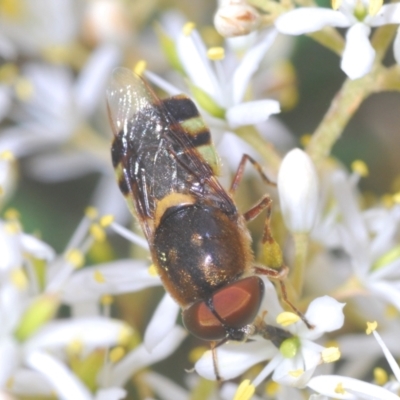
pixel 198 249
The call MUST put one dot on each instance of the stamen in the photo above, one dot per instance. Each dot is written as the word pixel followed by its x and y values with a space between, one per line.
pixel 188 28
pixel 330 354
pixel 287 318
pixel 75 257
pixel 360 168
pixel 374 6
pixel 140 67
pixel 380 376
pixel 99 277
pixel 23 89
pixel 153 270
pixel 339 389
pixel 371 326
pixel 244 391
pixel 91 212
pixel 19 279
pixel 106 220
pixel 116 354
pixel 97 232
pixel 216 53
pixel 296 373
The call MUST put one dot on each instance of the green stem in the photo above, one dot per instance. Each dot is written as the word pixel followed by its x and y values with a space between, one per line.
pixel 343 107
pixel 301 251
pixel 250 135
pixel 329 38
pixel 381 40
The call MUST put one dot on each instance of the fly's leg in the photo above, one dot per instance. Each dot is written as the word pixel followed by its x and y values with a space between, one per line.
pixel 239 173
pixel 272 254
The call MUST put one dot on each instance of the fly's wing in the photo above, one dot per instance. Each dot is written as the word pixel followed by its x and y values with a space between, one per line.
pixel 159 148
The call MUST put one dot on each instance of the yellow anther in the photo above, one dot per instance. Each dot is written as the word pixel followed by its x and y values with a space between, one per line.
pixel 296 373
pixel 23 89
pixel 98 276
pixel 10 383
pixel 11 9
pixel 339 389
pixel 336 4
pixel 216 53
pixel 106 220
pixel 116 354
pixel 188 28
pixel 75 347
pixel 305 139
pixel 272 388
pixel 140 67
pixel 245 391
pixel 124 335
pixel 387 200
pixel 12 227
pixel 97 232
pixel 391 312
pixel 153 270
pixel 380 376
pixel 196 353
pixel 91 212
pixel 371 326
pixel 330 354
pixel 12 214
pixel 106 299
pixel 331 343
pixel 19 279
pixel 8 72
pixel 287 318
pixel 7 155
pixel 360 168
pixel 374 6
pixel 76 258
pixel 396 198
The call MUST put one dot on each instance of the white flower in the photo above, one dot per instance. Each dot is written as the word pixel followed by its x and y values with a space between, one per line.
pixel 55 113
pixel 370 239
pixel 293 369
pixel 358 55
pixel 298 191
pixel 223 81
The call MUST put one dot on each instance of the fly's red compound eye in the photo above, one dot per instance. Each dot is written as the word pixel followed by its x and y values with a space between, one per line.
pixel 236 304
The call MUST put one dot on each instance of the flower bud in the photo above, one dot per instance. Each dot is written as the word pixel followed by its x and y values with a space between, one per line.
pixel 298 191
pixel 236 18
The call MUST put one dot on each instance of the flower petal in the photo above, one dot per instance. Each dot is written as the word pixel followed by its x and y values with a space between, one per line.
pixel 9 359
pixel 358 55
pixel 396 46
pixel 298 191
pixel 251 112
pixel 140 357
pixel 327 385
pixel 234 359
pixel 310 19
pixel 326 314
pixel 114 393
pixel 120 276
pixel 161 323
pixel 93 78
pixel 193 56
pixel 66 385
pixel 91 332
pixel 249 65
pixel 388 14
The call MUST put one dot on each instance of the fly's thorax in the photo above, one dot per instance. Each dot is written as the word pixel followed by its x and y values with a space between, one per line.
pixel 198 248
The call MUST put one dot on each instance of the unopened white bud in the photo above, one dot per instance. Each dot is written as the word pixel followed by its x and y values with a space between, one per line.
pixel 298 191
pixel 236 18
